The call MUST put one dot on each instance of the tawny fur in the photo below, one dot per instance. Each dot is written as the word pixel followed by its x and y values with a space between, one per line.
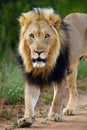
pixel 78 48
pixel 47 19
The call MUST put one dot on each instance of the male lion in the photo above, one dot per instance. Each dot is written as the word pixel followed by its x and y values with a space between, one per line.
pixel 50 49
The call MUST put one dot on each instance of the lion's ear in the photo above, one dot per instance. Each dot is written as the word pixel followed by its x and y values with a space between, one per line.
pixel 55 21
pixel 26 18
pixel 22 20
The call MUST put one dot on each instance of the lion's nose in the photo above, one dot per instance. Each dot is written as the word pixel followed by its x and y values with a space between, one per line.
pixel 38 52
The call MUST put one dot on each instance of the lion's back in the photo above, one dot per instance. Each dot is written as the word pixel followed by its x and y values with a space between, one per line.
pixel 78 34
pixel 77 19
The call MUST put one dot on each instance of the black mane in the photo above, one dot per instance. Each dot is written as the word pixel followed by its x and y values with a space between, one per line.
pixel 59 71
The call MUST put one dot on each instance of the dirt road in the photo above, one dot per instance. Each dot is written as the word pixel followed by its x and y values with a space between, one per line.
pixel 76 122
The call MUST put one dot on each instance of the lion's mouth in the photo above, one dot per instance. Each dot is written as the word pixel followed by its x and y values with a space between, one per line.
pixel 39 62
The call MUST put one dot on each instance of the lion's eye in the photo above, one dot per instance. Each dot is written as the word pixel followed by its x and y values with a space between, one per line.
pixel 47 36
pixel 32 35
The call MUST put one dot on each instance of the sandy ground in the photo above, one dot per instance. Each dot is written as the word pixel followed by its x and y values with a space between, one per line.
pixel 76 122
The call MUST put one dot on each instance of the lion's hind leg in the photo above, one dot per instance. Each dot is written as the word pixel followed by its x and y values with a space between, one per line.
pixel 71 82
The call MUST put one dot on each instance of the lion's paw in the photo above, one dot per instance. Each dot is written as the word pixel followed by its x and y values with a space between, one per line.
pixel 68 111
pixel 24 122
pixel 56 117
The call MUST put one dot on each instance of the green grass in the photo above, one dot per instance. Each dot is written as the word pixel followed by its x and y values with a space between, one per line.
pixel 47 99
pixel 82 71
pixel 11 82
pixel 82 87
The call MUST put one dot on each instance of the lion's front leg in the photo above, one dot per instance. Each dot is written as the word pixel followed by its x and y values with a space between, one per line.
pixel 31 97
pixel 55 113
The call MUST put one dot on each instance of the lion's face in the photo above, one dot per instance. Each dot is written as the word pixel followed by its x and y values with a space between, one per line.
pixel 39 43
pixel 40 38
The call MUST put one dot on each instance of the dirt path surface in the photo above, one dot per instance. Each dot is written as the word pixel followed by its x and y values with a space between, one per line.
pixel 76 122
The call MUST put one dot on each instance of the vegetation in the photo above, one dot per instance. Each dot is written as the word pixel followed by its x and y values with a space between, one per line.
pixel 47 98
pixel 6 114
pixel 11 82
pixel 82 72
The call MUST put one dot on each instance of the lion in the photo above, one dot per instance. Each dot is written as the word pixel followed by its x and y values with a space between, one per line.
pixel 50 51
